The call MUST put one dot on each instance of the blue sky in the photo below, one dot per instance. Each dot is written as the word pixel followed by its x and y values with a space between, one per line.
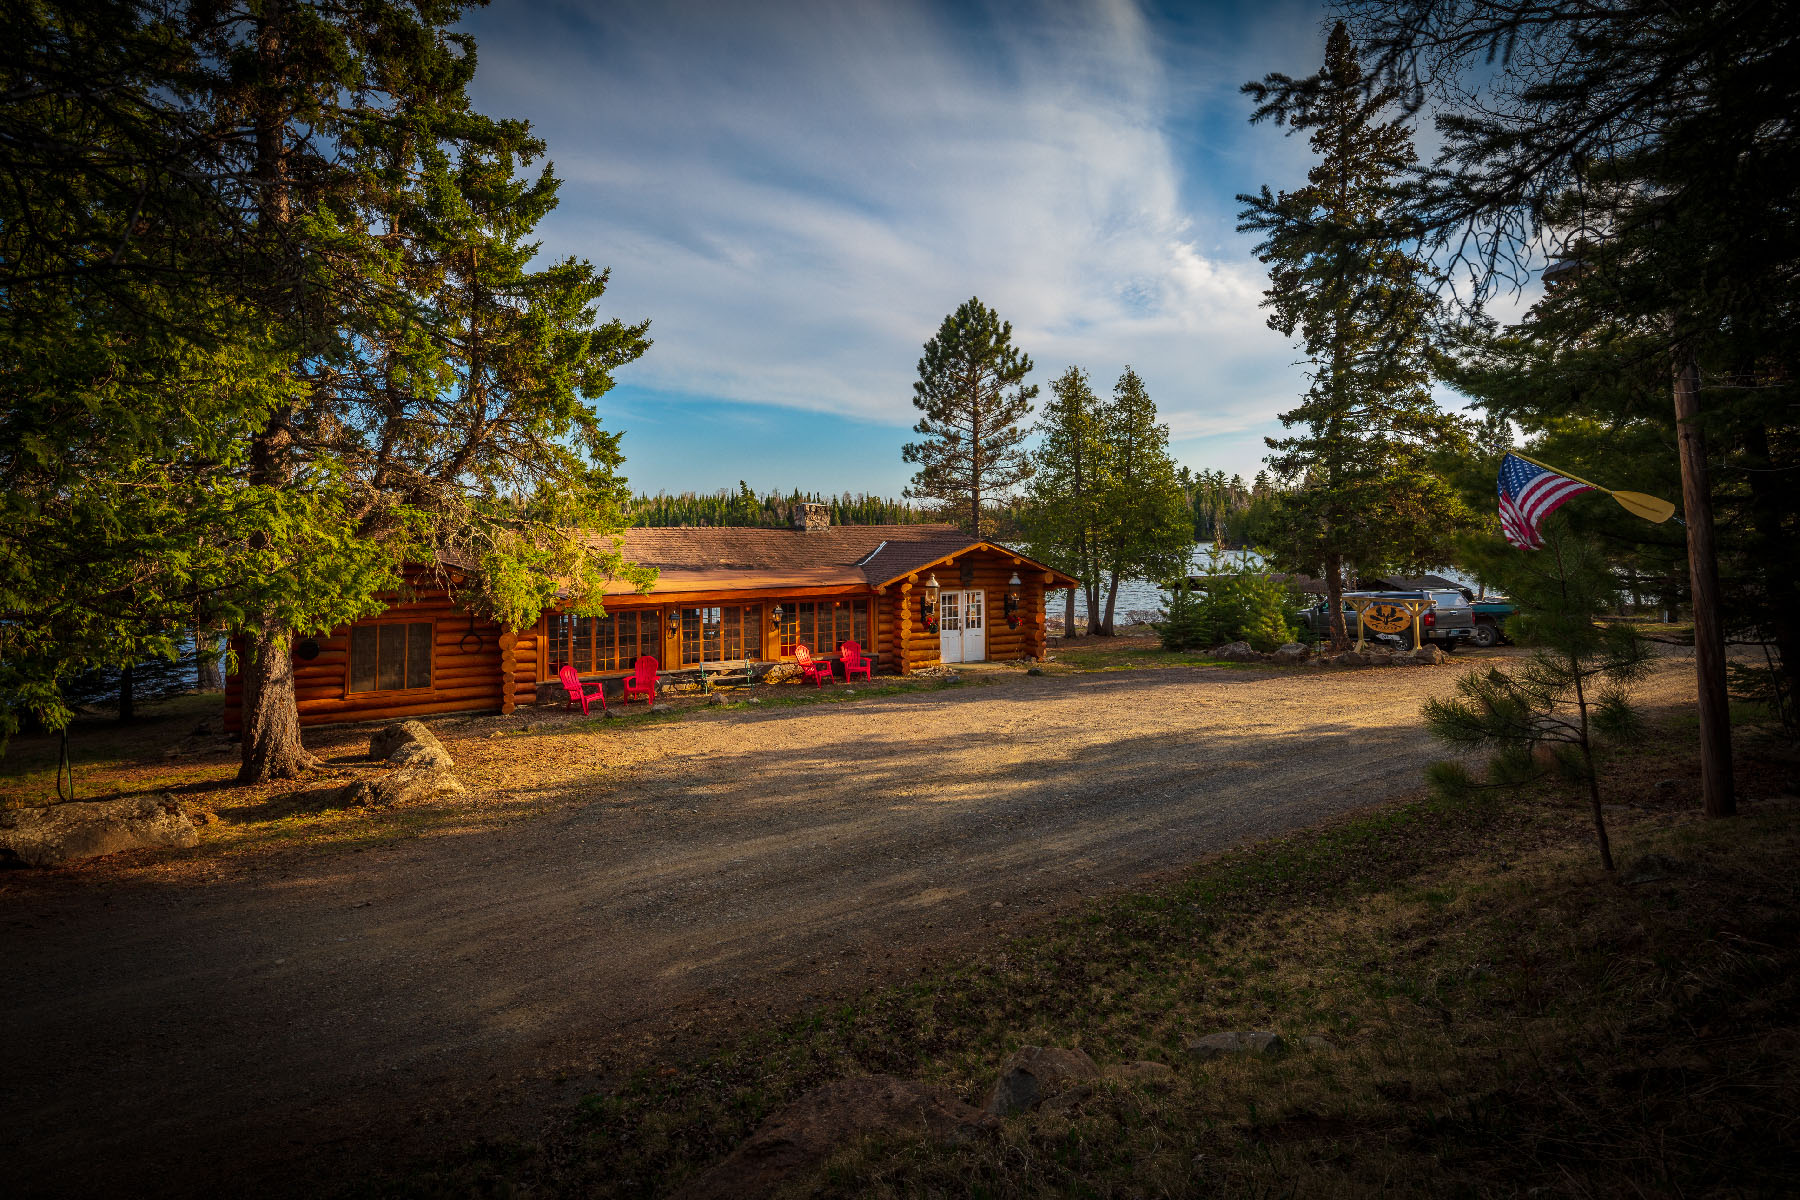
pixel 796 194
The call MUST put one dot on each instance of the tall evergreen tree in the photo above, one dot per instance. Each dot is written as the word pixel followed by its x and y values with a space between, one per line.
pixel 1071 470
pixel 1145 530
pixel 1652 148
pixel 1347 278
pixel 971 389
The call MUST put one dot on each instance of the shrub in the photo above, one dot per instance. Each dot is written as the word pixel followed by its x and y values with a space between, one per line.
pixel 1246 607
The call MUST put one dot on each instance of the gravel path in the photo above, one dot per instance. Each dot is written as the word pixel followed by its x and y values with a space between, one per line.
pixel 282 1026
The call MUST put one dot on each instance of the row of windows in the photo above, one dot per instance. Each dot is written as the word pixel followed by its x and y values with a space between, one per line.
pixel 397 657
pixel 390 658
pixel 824 625
pixel 609 643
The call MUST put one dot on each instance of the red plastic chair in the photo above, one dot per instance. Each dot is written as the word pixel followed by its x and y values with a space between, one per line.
pixel 817 670
pixel 851 655
pixel 642 680
pixel 571 681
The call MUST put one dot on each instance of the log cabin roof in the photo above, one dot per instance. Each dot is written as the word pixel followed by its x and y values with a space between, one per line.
pixel 733 558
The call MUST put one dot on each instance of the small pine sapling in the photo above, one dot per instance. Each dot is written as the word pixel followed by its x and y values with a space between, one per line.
pixel 1542 717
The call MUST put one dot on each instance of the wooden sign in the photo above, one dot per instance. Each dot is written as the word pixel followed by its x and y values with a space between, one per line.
pixel 1388 616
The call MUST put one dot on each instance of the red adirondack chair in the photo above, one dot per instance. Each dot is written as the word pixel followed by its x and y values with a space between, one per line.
pixel 815 669
pixel 642 680
pixel 850 654
pixel 571 681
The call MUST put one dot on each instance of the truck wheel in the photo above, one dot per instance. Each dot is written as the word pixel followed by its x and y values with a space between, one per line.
pixel 1487 635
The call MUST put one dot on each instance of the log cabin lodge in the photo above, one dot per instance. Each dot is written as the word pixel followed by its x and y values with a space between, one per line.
pixel 723 595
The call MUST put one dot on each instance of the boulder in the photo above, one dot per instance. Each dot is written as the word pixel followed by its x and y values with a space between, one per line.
pixel 1313 1041
pixel 1430 655
pixel 409 744
pixel 1259 1043
pixel 781 673
pixel 1291 652
pixel 60 833
pixel 404 786
pixel 1353 658
pixel 1033 1074
pixel 1142 1074
pixel 1237 652
pixel 808 1131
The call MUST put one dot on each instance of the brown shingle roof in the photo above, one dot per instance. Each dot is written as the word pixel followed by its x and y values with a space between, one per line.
pixel 718 558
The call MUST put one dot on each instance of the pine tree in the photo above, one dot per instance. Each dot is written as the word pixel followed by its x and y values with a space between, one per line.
pixel 1070 473
pixel 1546 715
pixel 1145 530
pixel 1347 278
pixel 971 389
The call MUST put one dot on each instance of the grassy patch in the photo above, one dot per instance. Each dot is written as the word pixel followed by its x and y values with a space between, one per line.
pixel 1503 1019
pixel 1134 653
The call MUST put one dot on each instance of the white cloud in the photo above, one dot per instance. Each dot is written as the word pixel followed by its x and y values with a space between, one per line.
pixel 796 197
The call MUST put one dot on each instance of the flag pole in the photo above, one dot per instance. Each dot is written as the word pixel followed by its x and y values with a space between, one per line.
pixel 1558 470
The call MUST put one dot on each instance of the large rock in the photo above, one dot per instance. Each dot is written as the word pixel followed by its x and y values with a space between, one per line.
pixel 1237 652
pixel 409 744
pixel 1430 655
pixel 405 786
pixel 780 673
pixel 1033 1074
pixel 60 833
pixel 1255 1043
pixel 806 1132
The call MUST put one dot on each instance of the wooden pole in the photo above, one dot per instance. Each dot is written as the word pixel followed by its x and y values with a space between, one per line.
pixel 1703 570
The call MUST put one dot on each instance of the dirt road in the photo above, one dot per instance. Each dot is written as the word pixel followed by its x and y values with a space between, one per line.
pixel 281 1027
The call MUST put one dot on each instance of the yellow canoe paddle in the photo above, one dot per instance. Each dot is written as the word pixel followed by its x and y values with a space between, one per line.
pixel 1636 503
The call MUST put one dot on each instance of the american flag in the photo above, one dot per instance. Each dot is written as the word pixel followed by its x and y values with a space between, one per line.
pixel 1528 494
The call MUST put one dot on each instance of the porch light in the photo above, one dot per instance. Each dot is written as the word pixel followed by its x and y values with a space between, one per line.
pixel 775 617
pixel 1012 600
pixel 931 596
pixel 674 621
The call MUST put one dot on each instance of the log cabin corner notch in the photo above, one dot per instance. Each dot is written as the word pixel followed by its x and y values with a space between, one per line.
pixel 723 594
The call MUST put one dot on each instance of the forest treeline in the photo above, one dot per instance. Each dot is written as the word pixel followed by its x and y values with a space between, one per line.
pixel 1222 506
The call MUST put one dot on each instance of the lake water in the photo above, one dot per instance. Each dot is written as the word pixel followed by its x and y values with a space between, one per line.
pixel 1142 599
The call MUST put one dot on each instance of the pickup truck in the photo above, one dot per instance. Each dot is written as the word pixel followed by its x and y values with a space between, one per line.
pixel 1450 620
pixel 1490 620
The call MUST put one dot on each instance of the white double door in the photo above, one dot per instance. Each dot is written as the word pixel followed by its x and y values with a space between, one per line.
pixel 962 627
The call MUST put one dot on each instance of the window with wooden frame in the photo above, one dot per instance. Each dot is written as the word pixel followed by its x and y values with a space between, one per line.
pixel 720 633
pixel 390 656
pixel 595 644
pixel 822 626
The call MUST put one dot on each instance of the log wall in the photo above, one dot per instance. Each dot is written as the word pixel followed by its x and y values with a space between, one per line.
pixel 915 648
pixel 461 680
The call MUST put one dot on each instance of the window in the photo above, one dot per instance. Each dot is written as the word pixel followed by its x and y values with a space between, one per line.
pixel 610 643
pixel 822 626
pixel 390 658
pixel 720 633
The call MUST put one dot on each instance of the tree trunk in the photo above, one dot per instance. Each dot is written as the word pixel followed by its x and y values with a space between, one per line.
pixel 272 748
pixel 206 655
pixel 127 709
pixel 271 745
pixel 1112 598
pixel 1334 601
pixel 1703 568
pixel 1068 612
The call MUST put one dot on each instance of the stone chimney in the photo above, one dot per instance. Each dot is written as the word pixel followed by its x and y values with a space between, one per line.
pixel 808 518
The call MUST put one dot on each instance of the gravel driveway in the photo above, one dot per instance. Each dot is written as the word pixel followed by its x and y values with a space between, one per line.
pixel 280 1027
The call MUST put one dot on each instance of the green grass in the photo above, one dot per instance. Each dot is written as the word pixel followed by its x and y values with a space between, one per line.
pixel 1132 654
pixel 1509 1021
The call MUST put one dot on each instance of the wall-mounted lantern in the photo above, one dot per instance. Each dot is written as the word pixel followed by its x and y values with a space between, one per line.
pixel 1012 600
pixel 928 605
pixel 775 617
pixel 674 621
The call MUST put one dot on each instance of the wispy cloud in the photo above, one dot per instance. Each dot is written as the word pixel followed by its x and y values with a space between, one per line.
pixel 797 195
